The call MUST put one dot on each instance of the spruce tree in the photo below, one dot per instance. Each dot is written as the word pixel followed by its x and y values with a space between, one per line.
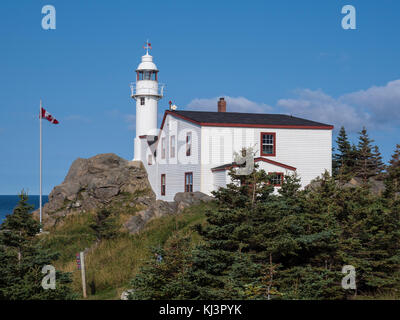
pixel 392 180
pixel 379 166
pixel 23 257
pixel 365 163
pixel 343 159
pixel 166 274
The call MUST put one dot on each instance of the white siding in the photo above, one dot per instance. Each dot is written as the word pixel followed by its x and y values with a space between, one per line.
pixel 308 150
pixel 220 179
pixel 175 168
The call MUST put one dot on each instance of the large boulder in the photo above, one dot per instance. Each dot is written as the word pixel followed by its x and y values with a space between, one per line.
pixel 97 182
pixel 186 199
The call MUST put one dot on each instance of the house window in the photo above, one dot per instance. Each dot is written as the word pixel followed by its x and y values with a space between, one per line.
pixel 172 146
pixel 268 144
pixel 163 184
pixel 276 178
pixel 142 101
pixel 188 144
pixel 149 160
pixel 163 148
pixel 189 182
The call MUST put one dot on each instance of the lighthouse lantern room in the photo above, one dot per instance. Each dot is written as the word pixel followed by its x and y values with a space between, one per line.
pixel 146 91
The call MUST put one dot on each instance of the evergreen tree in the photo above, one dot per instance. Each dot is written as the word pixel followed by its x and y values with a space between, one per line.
pixel 23 257
pixel 251 251
pixel 370 239
pixel 365 163
pixel 392 180
pixel 257 244
pixel 343 160
pixel 377 162
pixel 166 275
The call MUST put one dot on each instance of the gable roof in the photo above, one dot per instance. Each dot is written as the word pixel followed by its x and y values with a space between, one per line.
pixel 227 166
pixel 239 119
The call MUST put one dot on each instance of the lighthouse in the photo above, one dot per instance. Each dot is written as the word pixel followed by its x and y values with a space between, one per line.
pixel 146 91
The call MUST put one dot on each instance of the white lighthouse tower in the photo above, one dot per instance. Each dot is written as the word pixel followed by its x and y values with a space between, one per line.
pixel 146 91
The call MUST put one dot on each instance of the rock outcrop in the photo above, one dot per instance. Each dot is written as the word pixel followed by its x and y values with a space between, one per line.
pixel 108 181
pixel 98 182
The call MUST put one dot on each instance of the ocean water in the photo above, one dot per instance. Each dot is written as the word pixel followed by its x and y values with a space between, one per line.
pixel 8 203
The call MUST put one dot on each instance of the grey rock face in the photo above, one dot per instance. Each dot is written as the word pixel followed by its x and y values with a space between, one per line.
pixel 96 182
pixel 105 180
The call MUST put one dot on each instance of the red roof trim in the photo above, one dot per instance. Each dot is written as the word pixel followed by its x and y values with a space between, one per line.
pixel 211 124
pixel 276 163
pixel 273 126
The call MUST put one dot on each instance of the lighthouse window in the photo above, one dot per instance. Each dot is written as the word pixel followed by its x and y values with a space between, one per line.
pixel 172 145
pixel 189 182
pixel 163 148
pixel 188 144
pixel 142 101
pixel 163 185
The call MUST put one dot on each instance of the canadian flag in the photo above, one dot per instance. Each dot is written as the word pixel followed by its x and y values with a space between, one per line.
pixel 45 115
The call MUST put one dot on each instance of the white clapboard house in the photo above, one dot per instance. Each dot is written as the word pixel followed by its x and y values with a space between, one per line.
pixel 194 150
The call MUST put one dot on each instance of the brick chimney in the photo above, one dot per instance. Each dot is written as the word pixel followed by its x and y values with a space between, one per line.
pixel 221 105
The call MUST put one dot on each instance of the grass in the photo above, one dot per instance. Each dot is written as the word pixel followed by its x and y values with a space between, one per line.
pixel 111 264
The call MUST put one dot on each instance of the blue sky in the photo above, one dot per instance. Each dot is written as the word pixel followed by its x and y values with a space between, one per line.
pixel 265 56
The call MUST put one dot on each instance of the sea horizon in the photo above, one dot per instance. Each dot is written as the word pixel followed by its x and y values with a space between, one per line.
pixel 9 201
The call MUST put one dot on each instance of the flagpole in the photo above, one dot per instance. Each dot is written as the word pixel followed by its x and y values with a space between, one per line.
pixel 40 170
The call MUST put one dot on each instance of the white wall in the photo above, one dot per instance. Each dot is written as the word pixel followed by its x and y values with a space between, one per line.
pixel 309 150
pixel 175 168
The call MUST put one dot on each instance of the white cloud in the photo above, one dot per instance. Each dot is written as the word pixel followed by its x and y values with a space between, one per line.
pixel 318 106
pixel 382 102
pixel 375 108
pixel 233 104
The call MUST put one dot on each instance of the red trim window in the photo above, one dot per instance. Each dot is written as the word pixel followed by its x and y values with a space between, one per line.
pixel 163 151
pixel 268 144
pixel 163 184
pixel 149 159
pixel 276 178
pixel 189 182
pixel 188 144
pixel 172 147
